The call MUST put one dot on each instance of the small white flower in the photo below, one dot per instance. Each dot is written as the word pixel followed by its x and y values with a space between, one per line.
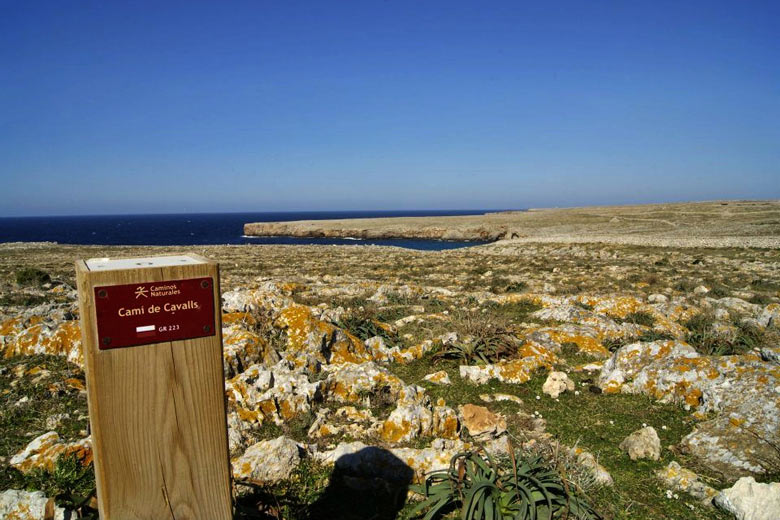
pixel 644 425
pixel 611 422
pixel 576 392
pixel 663 427
pixel 676 496
pixel 668 493
pixel 538 397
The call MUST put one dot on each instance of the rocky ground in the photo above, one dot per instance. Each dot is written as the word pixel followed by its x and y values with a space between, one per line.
pixel 649 377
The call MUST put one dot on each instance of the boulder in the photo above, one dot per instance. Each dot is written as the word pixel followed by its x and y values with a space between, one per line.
pixel 750 500
pixel 642 444
pixel 557 383
pixel 268 462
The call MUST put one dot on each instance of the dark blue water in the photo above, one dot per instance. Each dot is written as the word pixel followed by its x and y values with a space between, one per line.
pixel 197 229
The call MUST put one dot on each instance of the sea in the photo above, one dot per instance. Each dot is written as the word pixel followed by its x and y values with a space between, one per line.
pixel 201 229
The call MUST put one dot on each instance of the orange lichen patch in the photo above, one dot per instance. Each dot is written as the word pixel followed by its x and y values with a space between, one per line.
pixel 301 325
pixel 35 320
pixel 252 416
pixel 693 397
pixel 10 326
pixel 533 357
pixel 64 340
pixel 391 431
pixel 736 421
pixel 75 384
pixel 290 287
pixel 286 410
pixel 621 307
pixel 296 319
pixel 612 387
pixel 240 318
pixel 537 299
pixel 384 326
pixel 585 344
pixel 268 407
pixel 448 428
pixel 702 364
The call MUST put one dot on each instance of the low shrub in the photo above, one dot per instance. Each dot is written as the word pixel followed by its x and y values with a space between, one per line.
pixel 32 277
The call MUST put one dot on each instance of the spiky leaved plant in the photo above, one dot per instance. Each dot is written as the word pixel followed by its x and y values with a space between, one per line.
pixel 518 489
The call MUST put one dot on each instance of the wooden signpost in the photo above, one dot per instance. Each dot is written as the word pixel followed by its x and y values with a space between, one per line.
pixel 151 331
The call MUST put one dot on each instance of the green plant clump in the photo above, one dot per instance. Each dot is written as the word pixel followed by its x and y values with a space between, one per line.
pixel 32 276
pixel 703 337
pixel 519 489
pixel 364 325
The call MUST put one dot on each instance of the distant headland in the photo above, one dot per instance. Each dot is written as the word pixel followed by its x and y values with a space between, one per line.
pixel 700 224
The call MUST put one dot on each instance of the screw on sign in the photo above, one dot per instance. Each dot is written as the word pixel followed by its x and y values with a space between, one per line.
pixel 152 344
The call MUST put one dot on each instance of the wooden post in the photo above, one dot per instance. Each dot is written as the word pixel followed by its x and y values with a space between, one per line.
pixel 151 330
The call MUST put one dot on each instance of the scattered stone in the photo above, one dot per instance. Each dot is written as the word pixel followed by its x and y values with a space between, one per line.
pixel 557 383
pixel 750 500
pixel 657 298
pixel 481 422
pixel 701 290
pixel 586 459
pixel 642 444
pixel 438 378
pixel 268 462
pixel 55 421
pixel 489 398
pixel 684 480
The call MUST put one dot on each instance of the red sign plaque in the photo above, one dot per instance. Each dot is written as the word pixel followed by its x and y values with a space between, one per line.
pixel 154 312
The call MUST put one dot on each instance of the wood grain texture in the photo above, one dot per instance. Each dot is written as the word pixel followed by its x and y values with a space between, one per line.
pixel 157 413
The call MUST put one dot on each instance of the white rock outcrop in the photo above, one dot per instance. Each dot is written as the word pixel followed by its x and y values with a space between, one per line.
pixel 751 500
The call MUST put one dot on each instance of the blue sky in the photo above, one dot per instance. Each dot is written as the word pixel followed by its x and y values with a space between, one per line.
pixel 135 107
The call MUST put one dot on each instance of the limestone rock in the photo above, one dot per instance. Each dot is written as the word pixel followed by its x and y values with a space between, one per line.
pixel 268 462
pixel 438 378
pixel 684 480
pixel 532 358
pixel 600 474
pixel 481 422
pixel 642 444
pixel 770 316
pixel 277 394
pixel 356 458
pixel 26 505
pixel 416 417
pixel 750 500
pixel 43 452
pixel 771 354
pixel 701 290
pixel 557 383
pixel 657 298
